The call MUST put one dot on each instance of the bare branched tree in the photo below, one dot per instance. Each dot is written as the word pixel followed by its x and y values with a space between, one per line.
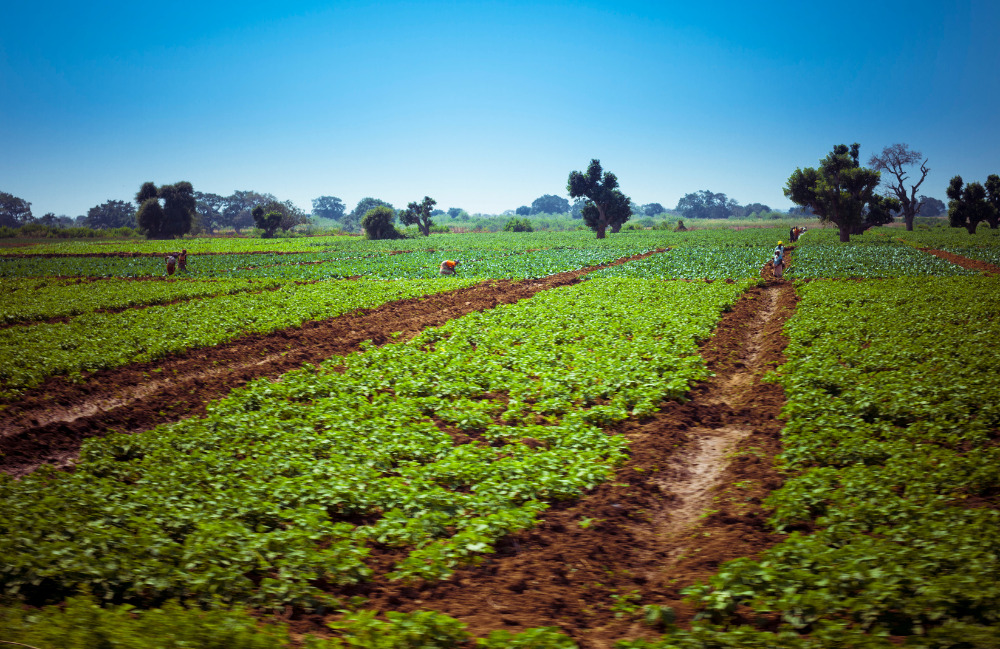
pixel 894 160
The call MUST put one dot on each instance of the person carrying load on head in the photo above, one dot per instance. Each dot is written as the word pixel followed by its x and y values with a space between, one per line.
pixel 448 267
pixel 778 263
pixel 182 260
pixel 171 262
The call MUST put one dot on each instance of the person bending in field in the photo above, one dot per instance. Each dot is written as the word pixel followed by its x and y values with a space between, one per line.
pixel 448 267
pixel 171 263
pixel 182 260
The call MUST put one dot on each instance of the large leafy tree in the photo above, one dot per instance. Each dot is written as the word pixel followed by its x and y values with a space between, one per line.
pixel 352 222
pixel 549 204
pixel 840 191
pixel 14 211
pixel 378 223
pixel 328 207
pixel 208 211
pixel 652 209
pixel 111 214
pixel 705 204
pixel 238 211
pixel 893 162
pixel 993 197
pixel 419 214
pixel 607 205
pixel 930 206
pixel 171 219
pixel 968 206
pixel 266 220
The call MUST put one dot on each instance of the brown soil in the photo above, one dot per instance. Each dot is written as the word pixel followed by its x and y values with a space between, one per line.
pixel 46 425
pixel 688 499
pixel 965 262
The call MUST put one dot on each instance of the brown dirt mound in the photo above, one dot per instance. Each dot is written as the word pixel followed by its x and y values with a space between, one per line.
pixel 688 499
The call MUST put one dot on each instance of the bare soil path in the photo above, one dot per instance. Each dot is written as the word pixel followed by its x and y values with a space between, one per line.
pixel 688 499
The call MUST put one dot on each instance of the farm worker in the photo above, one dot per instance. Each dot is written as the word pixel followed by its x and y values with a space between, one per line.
pixel 778 263
pixel 791 234
pixel 448 267
pixel 182 260
pixel 171 261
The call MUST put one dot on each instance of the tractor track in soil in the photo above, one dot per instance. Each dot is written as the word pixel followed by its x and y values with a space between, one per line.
pixel 688 499
pixel 47 424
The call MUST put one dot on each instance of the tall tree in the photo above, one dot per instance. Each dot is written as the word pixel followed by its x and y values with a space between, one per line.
pixel 14 211
pixel 705 204
pixel 238 212
pixel 419 214
pixel 993 197
pixel 328 207
pixel 549 204
pixel 266 220
pixel 378 223
pixel 352 221
pixel 607 205
pixel 208 210
pixel 968 206
pixel 932 206
pixel 111 214
pixel 652 209
pixel 895 159
pixel 454 212
pixel 178 208
pixel 840 191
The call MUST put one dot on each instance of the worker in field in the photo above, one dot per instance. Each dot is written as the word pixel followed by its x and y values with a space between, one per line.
pixel 171 263
pixel 182 260
pixel 448 267
pixel 778 262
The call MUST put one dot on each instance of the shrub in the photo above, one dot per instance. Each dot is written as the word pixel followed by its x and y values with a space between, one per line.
pixel 378 224
pixel 518 225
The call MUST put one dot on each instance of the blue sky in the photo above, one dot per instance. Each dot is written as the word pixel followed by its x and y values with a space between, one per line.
pixel 484 105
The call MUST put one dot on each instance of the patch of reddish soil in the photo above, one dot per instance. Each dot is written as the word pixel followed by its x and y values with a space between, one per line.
pixel 965 262
pixel 688 499
pixel 46 425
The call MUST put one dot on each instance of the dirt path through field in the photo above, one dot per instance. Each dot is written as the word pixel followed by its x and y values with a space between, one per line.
pixel 964 262
pixel 688 499
pixel 47 424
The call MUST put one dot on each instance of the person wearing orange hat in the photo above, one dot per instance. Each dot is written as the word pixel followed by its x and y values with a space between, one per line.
pixel 448 267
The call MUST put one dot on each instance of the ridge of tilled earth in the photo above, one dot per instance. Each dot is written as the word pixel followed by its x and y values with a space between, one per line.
pixel 593 562
pixel 46 425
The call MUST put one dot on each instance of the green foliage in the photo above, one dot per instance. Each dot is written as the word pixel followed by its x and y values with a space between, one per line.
pixel 419 214
pixel 99 340
pixel 890 432
pixel 82 624
pixel 378 223
pixel 840 191
pixel 607 206
pixel 518 225
pixel 259 499
pixel 969 206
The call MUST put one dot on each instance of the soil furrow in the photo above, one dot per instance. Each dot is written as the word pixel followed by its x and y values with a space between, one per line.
pixel 688 499
pixel 46 425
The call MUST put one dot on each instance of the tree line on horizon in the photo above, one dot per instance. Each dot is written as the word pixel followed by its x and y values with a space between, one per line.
pixel 840 191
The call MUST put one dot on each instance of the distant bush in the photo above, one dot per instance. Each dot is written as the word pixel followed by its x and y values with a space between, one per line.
pixel 518 225
pixel 39 231
pixel 378 224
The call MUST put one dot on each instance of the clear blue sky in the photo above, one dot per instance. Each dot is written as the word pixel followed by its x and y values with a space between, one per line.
pixel 484 105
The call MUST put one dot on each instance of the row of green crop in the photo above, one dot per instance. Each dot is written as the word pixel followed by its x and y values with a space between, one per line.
pixel 892 425
pixel 29 354
pixel 320 266
pixel 259 501
pixel 695 262
pixel 27 299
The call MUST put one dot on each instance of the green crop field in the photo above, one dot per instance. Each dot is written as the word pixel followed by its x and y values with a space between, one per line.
pixel 409 462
